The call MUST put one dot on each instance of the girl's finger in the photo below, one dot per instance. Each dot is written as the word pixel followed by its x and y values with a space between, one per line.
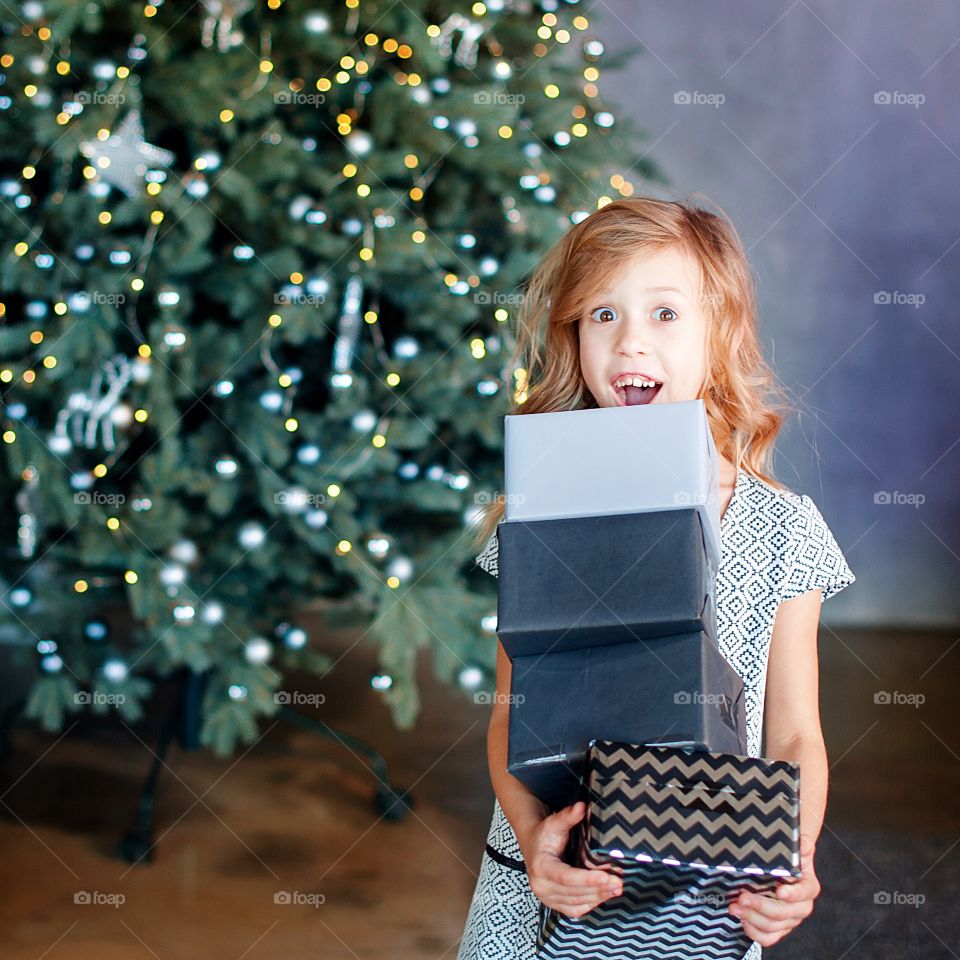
pixel 601 893
pixel 569 816
pixel 562 873
pixel 772 909
pixel 572 879
pixel 573 900
pixel 613 868
pixel 766 924
pixel 802 889
pixel 754 934
pixel 582 893
pixel 575 913
pixel 569 906
pixel 586 889
pixel 761 936
pixel 598 866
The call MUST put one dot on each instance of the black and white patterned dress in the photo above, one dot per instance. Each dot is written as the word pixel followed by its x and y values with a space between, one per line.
pixel 775 545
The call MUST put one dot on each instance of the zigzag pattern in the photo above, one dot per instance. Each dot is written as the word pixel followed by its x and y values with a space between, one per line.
pixel 643 813
pixel 698 824
pixel 677 915
pixel 724 852
pixel 637 761
pixel 668 829
pixel 623 775
pixel 698 794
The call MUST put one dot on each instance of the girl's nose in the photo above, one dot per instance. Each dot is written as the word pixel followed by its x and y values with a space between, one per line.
pixel 632 338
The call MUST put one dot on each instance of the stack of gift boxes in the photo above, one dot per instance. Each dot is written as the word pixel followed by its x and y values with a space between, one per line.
pixel 620 695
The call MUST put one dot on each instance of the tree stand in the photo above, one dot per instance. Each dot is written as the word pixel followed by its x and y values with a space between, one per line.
pixel 183 721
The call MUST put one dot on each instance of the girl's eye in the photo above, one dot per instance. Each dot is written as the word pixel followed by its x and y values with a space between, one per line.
pixel 670 310
pixel 605 313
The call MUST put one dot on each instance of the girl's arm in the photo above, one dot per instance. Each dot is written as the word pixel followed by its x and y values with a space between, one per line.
pixel 541 835
pixel 792 710
pixel 521 807
pixel 792 732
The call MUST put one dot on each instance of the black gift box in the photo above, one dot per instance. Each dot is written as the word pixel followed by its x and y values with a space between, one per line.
pixel 689 830
pixel 676 689
pixel 577 582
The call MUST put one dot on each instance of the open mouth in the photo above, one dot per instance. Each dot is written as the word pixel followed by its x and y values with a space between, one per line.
pixel 631 396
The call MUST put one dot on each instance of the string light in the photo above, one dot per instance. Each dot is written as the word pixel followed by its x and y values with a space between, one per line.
pixel 349 69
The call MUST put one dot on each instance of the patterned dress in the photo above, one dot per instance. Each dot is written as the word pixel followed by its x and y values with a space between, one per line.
pixel 775 545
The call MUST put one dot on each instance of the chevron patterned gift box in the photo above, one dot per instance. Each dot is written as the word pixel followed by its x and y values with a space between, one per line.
pixel 689 829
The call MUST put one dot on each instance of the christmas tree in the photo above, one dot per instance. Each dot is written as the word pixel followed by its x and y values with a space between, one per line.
pixel 259 267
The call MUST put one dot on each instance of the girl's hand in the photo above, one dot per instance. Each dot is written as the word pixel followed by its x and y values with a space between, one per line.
pixel 573 891
pixel 767 917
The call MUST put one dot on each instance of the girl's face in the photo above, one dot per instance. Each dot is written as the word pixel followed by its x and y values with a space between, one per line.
pixel 651 324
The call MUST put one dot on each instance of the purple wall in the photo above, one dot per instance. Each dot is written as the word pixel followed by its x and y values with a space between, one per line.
pixel 838 198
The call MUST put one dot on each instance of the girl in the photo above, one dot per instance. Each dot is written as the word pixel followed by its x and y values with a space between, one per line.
pixel 663 290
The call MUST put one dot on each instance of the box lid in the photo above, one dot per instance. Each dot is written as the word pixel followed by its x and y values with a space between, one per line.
pixel 612 460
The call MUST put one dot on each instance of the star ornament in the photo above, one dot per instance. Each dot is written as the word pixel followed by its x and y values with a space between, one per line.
pixel 128 156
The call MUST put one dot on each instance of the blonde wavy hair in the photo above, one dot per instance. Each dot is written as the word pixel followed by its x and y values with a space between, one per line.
pixel 745 403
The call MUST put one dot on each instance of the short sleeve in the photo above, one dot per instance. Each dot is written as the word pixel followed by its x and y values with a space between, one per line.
pixel 816 560
pixel 487 558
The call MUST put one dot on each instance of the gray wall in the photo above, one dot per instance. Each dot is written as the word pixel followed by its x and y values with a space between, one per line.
pixel 837 198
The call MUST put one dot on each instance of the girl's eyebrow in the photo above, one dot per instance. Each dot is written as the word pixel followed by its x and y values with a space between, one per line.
pixel 664 290
pixel 608 296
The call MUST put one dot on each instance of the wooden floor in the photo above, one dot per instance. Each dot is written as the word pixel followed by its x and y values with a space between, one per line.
pixel 236 835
